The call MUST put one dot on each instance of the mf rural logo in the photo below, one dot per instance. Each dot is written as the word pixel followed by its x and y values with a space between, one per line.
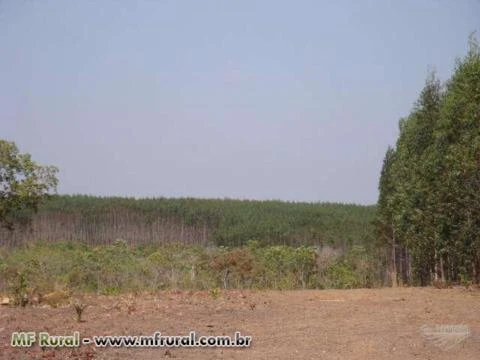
pixel 446 336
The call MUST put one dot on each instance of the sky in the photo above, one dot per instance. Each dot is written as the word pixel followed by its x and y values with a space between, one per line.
pixel 288 100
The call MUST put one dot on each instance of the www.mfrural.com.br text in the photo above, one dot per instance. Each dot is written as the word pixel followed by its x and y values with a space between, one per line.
pixel 157 339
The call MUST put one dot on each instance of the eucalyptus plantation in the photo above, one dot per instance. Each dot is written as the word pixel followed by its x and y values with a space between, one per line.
pixel 429 204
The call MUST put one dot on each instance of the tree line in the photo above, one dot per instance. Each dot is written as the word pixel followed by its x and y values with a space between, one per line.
pixel 428 211
pixel 220 222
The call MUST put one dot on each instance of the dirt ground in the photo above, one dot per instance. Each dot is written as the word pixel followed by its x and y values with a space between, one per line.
pixel 323 324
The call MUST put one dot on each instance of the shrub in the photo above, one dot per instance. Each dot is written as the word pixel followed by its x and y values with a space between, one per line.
pixel 340 276
pixel 119 267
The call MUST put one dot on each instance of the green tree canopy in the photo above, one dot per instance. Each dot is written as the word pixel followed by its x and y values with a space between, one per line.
pixel 23 183
pixel 430 196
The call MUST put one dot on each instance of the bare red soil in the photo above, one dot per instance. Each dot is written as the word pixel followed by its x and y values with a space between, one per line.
pixel 324 324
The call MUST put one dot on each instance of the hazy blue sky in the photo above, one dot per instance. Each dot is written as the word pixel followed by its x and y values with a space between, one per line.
pixel 291 100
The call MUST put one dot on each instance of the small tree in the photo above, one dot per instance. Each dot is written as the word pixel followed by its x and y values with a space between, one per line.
pixel 23 183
